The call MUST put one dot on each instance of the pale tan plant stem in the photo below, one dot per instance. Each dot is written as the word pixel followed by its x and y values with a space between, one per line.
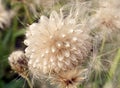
pixel 29 83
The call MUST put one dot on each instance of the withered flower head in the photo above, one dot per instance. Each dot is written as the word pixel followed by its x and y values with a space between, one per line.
pixel 70 79
pixel 107 17
pixel 56 44
pixel 18 62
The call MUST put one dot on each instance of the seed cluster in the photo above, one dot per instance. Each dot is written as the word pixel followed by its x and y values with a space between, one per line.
pixel 61 47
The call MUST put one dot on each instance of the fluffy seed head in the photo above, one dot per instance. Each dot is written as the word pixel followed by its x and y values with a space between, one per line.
pixel 56 44
pixel 96 65
pixel 18 62
pixel 107 17
pixel 70 79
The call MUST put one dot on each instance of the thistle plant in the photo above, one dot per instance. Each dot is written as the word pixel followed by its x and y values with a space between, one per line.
pixel 61 44
pixel 73 47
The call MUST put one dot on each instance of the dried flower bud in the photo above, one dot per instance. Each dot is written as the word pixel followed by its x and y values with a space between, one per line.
pixel 18 62
pixel 70 79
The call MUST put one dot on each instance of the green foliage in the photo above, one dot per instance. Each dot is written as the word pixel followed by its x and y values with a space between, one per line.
pixel 8 41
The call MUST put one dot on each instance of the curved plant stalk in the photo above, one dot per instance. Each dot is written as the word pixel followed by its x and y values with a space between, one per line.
pixel 29 83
